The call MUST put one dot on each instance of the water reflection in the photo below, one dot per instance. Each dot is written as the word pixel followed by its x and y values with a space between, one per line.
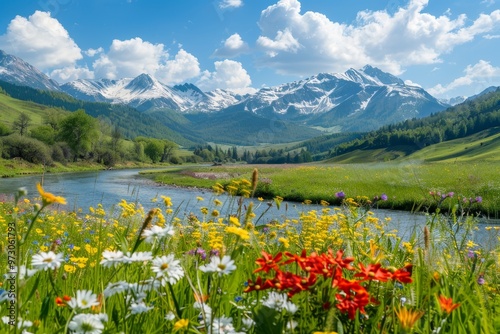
pixel 86 189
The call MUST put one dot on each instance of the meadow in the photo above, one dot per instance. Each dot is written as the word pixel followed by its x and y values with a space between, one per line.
pixel 407 184
pixel 335 270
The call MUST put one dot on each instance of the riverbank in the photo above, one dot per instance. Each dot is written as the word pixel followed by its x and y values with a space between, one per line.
pixel 19 167
pixel 408 186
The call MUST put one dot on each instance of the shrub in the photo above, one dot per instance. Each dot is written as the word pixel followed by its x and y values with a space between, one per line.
pixel 29 149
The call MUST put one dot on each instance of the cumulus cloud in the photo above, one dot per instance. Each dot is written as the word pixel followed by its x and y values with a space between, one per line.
pixel 303 43
pixel 482 74
pixel 129 58
pixel 40 40
pixel 229 75
pixel 225 4
pixel 233 46
pixel 133 57
pixel 71 73
pixel 184 66
pixel 94 52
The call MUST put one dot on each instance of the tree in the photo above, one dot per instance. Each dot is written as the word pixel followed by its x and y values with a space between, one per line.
pixel 154 150
pixel 78 130
pixel 168 149
pixel 22 123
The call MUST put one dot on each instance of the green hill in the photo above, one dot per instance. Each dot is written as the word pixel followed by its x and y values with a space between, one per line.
pixel 131 122
pixel 466 131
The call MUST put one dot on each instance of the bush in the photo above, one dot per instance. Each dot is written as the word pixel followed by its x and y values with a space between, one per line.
pixel 29 149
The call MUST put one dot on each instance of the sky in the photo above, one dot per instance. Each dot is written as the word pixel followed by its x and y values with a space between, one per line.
pixel 450 48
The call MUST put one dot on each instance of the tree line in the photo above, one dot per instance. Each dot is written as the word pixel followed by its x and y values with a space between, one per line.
pixel 70 137
pixel 460 121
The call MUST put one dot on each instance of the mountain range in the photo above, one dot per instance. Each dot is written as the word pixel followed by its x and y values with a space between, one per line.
pixel 356 100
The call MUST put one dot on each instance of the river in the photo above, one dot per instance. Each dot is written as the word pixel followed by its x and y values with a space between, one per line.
pixel 86 189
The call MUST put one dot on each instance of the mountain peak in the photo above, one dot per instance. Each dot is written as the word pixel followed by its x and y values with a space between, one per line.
pixel 17 71
pixel 142 82
pixel 384 77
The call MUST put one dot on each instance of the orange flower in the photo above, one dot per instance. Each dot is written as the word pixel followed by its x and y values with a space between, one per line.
pixel 447 304
pixel 60 301
pixel 48 198
pixel 408 318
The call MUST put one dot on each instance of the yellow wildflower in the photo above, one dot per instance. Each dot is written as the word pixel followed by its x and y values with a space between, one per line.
pixel 243 234
pixel 182 323
pixel 48 198
pixel 235 221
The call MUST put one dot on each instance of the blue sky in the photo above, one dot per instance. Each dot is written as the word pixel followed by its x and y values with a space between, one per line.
pixel 450 48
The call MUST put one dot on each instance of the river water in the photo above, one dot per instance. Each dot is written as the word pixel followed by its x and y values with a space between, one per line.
pixel 85 189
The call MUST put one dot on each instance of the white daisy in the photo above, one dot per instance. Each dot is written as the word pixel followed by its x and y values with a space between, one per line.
pixel 223 325
pixel 138 257
pixel 167 268
pixel 84 299
pixel 25 273
pixel 157 232
pixel 112 258
pixel 136 308
pixel 279 302
pixel 221 266
pixel 45 261
pixel 114 288
pixel 86 323
pixel 170 316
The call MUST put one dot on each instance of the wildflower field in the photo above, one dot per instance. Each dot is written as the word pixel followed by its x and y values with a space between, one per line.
pixel 149 269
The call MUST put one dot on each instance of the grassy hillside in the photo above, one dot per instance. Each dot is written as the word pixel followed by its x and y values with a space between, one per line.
pixel 11 108
pixel 479 147
pixel 482 146
pixel 131 122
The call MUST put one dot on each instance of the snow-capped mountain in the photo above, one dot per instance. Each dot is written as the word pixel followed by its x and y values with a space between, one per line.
pixel 454 100
pixel 368 95
pixel 16 71
pixel 356 100
pixel 146 93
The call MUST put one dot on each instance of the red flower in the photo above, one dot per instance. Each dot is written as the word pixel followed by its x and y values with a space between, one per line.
pixel 351 302
pixel 373 272
pixel 447 304
pixel 267 262
pixel 342 262
pixel 258 285
pixel 299 259
pixel 403 275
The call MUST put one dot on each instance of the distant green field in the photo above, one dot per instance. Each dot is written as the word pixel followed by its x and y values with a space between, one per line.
pixel 11 108
pixel 406 183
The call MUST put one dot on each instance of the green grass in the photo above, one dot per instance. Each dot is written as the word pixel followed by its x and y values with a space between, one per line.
pixel 344 270
pixel 11 108
pixel 407 184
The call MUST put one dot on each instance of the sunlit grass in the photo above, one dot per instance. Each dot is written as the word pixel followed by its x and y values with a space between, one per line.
pixel 151 270
pixel 406 184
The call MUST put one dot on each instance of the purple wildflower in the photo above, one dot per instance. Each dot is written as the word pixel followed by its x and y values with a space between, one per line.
pixel 214 252
pixel 383 197
pixel 481 280
pixel 479 199
pixel 471 254
pixel 340 194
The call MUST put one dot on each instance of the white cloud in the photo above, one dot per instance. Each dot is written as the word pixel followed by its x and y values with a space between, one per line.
pixel 71 73
pixel 230 4
pixel 233 46
pixel 41 41
pixel 481 74
pixel 229 75
pixel 94 52
pixel 488 36
pixel 301 44
pixel 129 58
pixel 183 67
